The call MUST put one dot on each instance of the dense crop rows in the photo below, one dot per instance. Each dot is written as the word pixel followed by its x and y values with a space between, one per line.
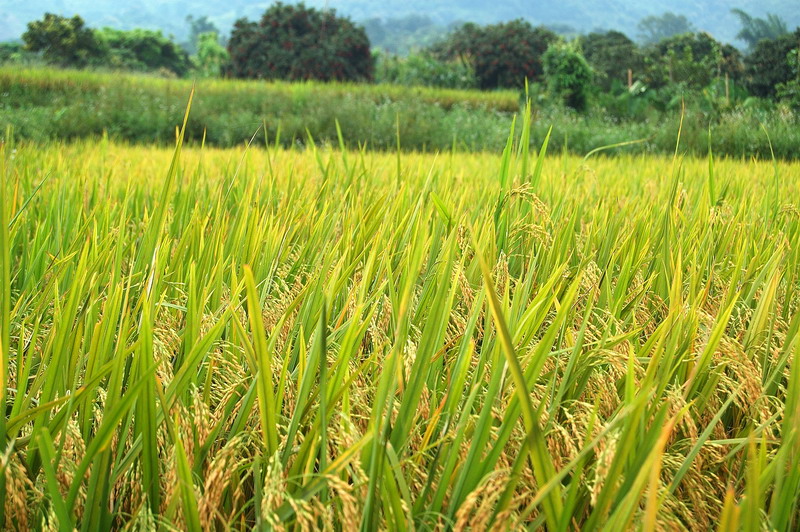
pixel 343 339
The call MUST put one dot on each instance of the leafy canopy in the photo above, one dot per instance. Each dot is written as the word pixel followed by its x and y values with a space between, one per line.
pixel 502 55
pixel 295 42
pixel 143 50
pixel 63 41
pixel 610 55
pixel 769 64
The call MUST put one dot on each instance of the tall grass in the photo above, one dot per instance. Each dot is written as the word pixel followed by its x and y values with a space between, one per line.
pixel 209 339
pixel 48 105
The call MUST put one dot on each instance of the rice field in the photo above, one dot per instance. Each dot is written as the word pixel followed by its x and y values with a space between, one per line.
pixel 206 339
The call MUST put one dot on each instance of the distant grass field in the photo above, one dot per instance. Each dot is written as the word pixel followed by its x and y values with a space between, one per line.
pixel 46 105
pixel 59 104
pixel 286 339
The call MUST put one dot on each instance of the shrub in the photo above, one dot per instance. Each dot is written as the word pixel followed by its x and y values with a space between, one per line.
pixel 294 42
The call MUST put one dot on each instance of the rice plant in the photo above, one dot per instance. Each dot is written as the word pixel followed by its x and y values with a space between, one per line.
pixel 204 339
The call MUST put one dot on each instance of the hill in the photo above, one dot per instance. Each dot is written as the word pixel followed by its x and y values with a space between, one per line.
pixel 709 15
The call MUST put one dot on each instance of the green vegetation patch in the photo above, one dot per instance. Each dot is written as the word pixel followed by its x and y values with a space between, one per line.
pixel 321 339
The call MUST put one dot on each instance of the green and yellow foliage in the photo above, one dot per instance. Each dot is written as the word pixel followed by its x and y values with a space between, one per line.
pixel 227 339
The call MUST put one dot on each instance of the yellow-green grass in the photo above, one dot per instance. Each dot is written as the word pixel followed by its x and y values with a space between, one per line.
pixel 45 105
pixel 83 81
pixel 309 339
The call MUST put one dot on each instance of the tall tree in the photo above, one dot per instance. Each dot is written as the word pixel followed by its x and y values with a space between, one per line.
pixel 656 28
pixel 197 27
pixel 756 29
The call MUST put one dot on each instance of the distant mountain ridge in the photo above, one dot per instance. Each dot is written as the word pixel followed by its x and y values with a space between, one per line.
pixel 713 16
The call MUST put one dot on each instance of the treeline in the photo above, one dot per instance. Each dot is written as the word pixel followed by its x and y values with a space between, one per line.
pixel 67 42
pixel 669 66
pixel 670 63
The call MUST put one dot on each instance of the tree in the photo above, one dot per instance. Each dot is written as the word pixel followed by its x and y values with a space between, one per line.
pixel 756 29
pixel 198 27
pixel 568 74
pixel 769 64
pixel 610 55
pixel 143 50
pixel 789 91
pixel 63 41
pixel 211 55
pixel 691 59
pixel 655 28
pixel 502 55
pixel 295 42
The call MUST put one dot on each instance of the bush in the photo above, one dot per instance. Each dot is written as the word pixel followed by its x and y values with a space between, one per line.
pixel 422 69
pixel 568 75
pixel 294 42
pixel 502 55
pixel 15 53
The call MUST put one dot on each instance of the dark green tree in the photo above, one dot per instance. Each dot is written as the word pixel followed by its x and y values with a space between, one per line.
pixel 502 55
pixel 691 59
pixel 769 64
pixel 568 75
pixel 655 28
pixel 295 42
pixel 610 55
pixel 63 41
pixel 789 91
pixel 143 50
pixel 756 29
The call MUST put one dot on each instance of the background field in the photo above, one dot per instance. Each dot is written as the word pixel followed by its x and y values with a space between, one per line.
pixel 348 339
pixel 45 104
